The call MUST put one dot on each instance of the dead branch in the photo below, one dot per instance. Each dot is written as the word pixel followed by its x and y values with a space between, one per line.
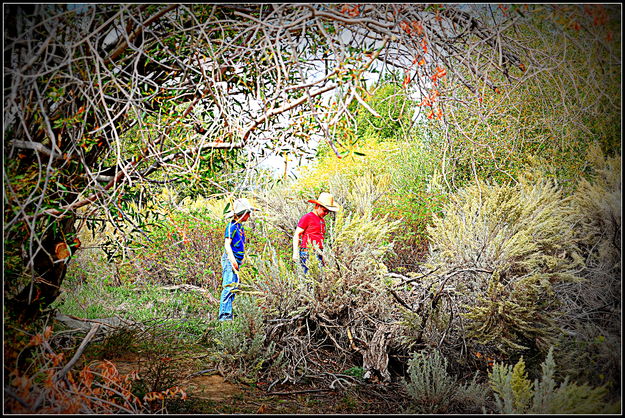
pixel 191 288
pixel 61 374
pixel 295 392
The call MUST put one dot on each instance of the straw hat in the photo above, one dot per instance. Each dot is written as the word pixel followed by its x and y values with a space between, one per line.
pixel 240 207
pixel 327 201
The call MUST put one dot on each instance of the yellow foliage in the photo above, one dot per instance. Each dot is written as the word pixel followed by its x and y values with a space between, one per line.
pixel 351 166
pixel 598 208
pixel 521 386
pixel 514 229
pixel 521 239
pixel 516 394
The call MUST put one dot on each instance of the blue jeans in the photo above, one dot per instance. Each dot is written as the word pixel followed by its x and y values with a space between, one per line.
pixel 303 257
pixel 229 283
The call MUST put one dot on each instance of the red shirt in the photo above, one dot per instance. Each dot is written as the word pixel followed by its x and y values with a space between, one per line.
pixel 314 229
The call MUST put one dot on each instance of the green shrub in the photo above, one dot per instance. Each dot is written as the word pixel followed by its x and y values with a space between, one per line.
pixel 590 348
pixel 415 195
pixel 185 249
pixel 516 394
pixel 504 248
pixel 358 372
pixel 598 212
pixel 434 391
pixel 239 347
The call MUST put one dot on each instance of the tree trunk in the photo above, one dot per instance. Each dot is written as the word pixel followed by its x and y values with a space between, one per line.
pixel 50 267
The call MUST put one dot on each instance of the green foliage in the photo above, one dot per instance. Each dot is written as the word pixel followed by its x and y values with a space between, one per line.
pixel 434 391
pixel 511 385
pixel 184 248
pixel 86 298
pixel 414 197
pixel 552 119
pixel 185 313
pixel 240 347
pixel 395 112
pixel 358 372
pixel 515 393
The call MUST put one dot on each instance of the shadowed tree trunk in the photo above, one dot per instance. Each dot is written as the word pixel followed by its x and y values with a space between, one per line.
pixel 49 268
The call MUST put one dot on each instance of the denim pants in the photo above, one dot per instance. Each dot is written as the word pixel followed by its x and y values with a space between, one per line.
pixel 229 283
pixel 303 257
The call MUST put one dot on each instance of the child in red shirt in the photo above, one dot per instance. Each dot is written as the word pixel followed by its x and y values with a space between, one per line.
pixel 311 229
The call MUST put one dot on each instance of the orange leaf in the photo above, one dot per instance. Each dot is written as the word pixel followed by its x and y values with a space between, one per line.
pixel 48 332
pixel 405 27
pixel 35 340
pixel 56 358
pixel 61 251
pixel 355 11
pixel 406 81
pixel 418 27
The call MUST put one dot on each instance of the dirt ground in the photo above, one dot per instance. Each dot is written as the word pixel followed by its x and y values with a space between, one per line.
pixel 210 393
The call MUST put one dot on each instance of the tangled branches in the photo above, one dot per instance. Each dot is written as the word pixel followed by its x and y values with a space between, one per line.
pixel 49 386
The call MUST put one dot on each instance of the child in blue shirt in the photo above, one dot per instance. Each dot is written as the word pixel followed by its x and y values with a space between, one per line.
pixel 234 245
